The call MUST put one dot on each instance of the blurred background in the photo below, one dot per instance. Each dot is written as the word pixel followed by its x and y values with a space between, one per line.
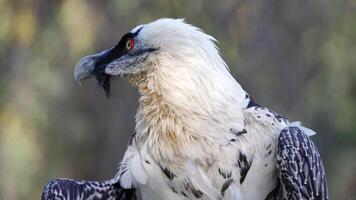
pixel 297 57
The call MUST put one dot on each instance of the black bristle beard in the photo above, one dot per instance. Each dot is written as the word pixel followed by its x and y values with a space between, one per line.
pixel 104 82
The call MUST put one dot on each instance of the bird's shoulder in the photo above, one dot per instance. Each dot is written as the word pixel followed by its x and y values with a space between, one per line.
pixel 263 121
pixel 252 106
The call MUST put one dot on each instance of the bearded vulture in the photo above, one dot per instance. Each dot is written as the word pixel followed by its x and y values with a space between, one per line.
pixel 199 134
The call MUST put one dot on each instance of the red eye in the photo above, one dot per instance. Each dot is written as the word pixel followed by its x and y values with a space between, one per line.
pixel 130 44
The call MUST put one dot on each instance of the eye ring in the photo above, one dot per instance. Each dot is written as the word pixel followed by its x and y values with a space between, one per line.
pixel 130 44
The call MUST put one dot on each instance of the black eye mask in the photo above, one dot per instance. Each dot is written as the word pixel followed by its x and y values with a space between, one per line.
pixel 108 56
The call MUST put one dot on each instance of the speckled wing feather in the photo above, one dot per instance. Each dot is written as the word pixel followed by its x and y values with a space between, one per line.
pixel 67 189
pixel 121 187
pixel 300 168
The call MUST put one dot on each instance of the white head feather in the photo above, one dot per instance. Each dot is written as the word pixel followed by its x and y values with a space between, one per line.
pixel 188 64
pixel 186 88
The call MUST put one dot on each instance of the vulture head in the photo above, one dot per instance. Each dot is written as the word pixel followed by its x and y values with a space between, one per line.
pixel 165 46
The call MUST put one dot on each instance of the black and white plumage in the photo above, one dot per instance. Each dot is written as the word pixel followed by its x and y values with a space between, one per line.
pixel 199 135
pixel 299 166
pixel 64 189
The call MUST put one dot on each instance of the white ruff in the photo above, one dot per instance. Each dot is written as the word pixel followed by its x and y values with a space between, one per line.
pixel 187 92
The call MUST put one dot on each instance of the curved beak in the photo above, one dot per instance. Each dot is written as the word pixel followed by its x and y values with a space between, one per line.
pixel 94 65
